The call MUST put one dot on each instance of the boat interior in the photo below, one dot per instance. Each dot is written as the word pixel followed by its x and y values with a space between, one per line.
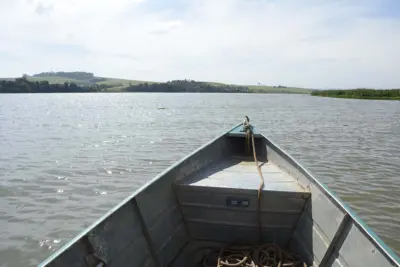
pixel 210 199
pixel 219 204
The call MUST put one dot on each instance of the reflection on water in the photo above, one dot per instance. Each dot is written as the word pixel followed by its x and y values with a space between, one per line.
pixel 67 159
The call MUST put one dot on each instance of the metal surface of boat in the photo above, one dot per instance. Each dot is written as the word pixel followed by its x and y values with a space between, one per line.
pixel 209 198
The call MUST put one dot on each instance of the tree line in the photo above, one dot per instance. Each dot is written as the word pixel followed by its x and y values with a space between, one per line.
pixel 187 86
pixel 360 93
pixel 23 85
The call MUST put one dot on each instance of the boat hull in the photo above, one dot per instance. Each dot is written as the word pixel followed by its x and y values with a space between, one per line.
pixel 191 205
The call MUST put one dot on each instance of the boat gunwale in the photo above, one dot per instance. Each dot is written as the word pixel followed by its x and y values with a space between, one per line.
pixel 359 223
pixel 81 234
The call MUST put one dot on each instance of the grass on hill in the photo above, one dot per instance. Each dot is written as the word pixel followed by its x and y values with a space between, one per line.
pixel 123 82
pixel 272 89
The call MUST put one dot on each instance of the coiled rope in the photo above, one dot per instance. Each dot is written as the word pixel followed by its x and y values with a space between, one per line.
pixel 266 255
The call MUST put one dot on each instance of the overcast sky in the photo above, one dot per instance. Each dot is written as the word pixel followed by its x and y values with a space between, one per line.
pixel 307 43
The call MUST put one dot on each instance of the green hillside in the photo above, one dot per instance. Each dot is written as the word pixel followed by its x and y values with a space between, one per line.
pixel 56 79
pixel 122 82
pixel 117 85
pixel 83 79
pixel 263 89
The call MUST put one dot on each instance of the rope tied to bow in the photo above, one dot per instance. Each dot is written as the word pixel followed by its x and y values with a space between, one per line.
pixel 248 129
pixel 262 255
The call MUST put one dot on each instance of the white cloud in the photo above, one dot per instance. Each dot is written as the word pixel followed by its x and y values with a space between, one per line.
pixel 166 27
pixel 301 43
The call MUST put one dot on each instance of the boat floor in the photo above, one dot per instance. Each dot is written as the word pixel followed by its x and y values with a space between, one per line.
pixel 241 173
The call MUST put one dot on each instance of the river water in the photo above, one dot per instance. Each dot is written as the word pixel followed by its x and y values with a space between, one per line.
pixel 66 159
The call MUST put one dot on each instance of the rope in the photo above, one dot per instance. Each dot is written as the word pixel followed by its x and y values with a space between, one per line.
pixel 249 133
pixel 267 255
pixel 258 167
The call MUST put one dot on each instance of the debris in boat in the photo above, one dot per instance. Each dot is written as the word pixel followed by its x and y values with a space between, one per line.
pixel 251 256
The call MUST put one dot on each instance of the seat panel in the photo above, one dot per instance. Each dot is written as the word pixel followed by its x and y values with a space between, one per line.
pixel 239 173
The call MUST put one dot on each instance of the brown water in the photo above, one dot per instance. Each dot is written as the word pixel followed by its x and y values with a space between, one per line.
pixel 65 159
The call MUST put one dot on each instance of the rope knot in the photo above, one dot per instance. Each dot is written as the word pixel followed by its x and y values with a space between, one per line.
pixel 247 126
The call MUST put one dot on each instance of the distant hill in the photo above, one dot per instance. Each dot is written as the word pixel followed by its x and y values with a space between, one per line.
pixel 105 84
pixel 82 78
pixel 76 75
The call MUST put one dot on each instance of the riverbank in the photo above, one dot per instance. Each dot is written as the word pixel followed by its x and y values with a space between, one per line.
pixel 81 82
pixel 86 82
pixel 24 85
pixel 363 98
pixel 367 94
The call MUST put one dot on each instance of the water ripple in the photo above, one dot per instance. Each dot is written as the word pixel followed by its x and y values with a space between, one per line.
pixel 67 159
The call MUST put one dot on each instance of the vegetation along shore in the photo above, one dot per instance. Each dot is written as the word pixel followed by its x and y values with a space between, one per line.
pixel 393 94
pixel 81 82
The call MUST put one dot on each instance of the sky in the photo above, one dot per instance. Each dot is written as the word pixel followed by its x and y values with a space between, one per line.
pixel 309 43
